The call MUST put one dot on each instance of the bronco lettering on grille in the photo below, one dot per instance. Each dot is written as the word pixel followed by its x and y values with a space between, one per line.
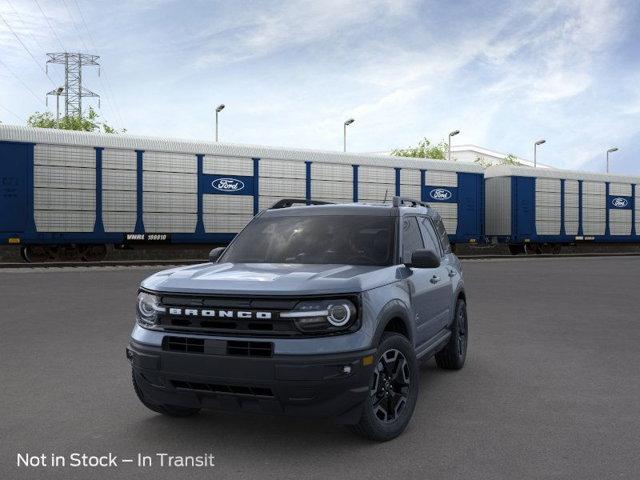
pixel 241 314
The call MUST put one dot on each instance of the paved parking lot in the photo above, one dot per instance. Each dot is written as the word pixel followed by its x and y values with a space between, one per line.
pixel 551 388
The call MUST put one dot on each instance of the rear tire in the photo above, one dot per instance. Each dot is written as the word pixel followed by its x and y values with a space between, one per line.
pixel 169 410
pixel 393 390
pixel 454 354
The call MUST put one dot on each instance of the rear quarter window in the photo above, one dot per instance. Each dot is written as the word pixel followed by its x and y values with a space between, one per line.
pixel 442 234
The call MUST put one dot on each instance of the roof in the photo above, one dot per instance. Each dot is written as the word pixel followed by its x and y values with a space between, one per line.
pixel 130 142
pixel 511 171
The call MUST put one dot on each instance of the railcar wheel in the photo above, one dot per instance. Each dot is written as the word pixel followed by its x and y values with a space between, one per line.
pixel 35 253
pixel 93 253
pixel 532 249
pixel 515 249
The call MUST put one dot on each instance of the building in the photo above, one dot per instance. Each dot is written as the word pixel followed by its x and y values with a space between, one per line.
pixel 471 153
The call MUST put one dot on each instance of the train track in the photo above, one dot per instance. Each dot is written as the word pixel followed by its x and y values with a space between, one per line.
pixel 161 263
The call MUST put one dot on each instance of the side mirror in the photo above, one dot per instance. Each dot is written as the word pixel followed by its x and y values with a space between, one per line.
pixel 425 259
pixel 215 254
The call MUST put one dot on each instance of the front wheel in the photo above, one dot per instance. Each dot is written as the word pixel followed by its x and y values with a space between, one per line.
pixel 393 390
pixel 453 355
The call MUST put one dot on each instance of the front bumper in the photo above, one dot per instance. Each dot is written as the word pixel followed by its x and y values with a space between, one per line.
pixel 328 385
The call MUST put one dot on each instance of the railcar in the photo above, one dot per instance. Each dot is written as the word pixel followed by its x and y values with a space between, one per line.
pixel 72 194
pixel 540 210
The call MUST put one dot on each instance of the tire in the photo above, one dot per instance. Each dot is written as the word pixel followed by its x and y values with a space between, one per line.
pixel 169 410
pixel 454 354
pixel 389 406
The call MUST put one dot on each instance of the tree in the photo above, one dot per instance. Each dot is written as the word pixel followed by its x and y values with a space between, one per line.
pixel 510 159
pixel 87 123
pixel 424 150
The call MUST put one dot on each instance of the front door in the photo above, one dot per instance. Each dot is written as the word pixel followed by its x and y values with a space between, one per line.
pixel 427 285
pixel 441 295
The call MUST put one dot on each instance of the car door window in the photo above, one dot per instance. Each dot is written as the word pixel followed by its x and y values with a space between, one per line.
pixel 411 238
pixel 430 238
pixel 442 234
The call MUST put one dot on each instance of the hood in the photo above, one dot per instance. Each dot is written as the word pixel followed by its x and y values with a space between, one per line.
pixel 270 278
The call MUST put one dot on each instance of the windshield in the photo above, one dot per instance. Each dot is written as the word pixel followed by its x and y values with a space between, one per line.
pixel 333 239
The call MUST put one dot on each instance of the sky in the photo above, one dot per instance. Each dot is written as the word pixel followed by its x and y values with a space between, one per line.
pixel 291 72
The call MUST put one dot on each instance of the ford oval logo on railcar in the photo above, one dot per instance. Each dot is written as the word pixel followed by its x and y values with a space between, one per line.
pixel 619 202
pixel 440 194
pixel 227 184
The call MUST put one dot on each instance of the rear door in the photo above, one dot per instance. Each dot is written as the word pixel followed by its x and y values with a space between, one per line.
pixel 13 186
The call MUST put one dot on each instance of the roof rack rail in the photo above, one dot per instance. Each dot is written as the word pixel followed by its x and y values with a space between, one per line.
pixel 290 202
pixel 400 201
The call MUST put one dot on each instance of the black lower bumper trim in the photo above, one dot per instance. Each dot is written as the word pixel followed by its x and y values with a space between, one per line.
pixel 319 385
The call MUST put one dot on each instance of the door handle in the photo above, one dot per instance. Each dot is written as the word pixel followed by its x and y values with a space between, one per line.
pixel 452 273
pixel 435 279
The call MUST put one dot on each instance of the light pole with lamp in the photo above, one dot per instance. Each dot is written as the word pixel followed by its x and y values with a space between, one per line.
pixel 611 150
pixel 451 134
pixel 535 152
pixel 344 137
pixel 219 108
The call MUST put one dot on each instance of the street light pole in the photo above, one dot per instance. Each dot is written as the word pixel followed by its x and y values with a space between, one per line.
pixel 219 108
pixel 611 150
pixel 451 134
pixel 344 137
pixel 535 152
pixel 59 90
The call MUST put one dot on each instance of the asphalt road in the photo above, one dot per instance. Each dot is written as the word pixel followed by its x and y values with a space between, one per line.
pixel 551 388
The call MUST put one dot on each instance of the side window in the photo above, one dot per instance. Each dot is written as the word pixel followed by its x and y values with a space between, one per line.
pixel 430 238
pixel 442 234
pixel 411 238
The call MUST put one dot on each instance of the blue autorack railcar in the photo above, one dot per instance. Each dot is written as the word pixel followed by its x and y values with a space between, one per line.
pixel 536 210
pixel 77 192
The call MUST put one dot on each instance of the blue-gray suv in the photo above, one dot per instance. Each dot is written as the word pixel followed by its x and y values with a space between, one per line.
pixel 314 309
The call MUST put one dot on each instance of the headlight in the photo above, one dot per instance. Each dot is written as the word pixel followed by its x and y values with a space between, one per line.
pixel 323 316
pixel 148 309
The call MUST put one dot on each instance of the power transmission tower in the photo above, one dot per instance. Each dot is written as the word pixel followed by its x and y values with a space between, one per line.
pixel 73 91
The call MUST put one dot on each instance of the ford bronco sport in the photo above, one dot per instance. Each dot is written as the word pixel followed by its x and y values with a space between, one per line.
pixel 316 309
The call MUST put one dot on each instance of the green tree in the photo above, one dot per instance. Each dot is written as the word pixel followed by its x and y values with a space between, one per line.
pixel 510 159
pixel 87 123
pixel 425 149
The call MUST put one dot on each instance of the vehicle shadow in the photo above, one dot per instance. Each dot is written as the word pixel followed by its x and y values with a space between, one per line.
pixel 267 432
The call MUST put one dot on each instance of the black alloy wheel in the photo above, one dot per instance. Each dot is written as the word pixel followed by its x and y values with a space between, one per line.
pixel 393 390
pixel 391 384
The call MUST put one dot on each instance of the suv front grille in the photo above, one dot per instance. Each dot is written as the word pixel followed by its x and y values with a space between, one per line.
pixel 184 344
pixel 217 347
pixel 228 389
pixel 250 349
pixel 223 315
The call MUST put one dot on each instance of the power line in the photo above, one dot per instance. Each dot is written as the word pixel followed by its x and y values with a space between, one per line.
pixel 27 49
pixel 24 25
pixel 106 85
pixel 21 81
pixel 75 27
pixel 12 113
pixel 50 26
